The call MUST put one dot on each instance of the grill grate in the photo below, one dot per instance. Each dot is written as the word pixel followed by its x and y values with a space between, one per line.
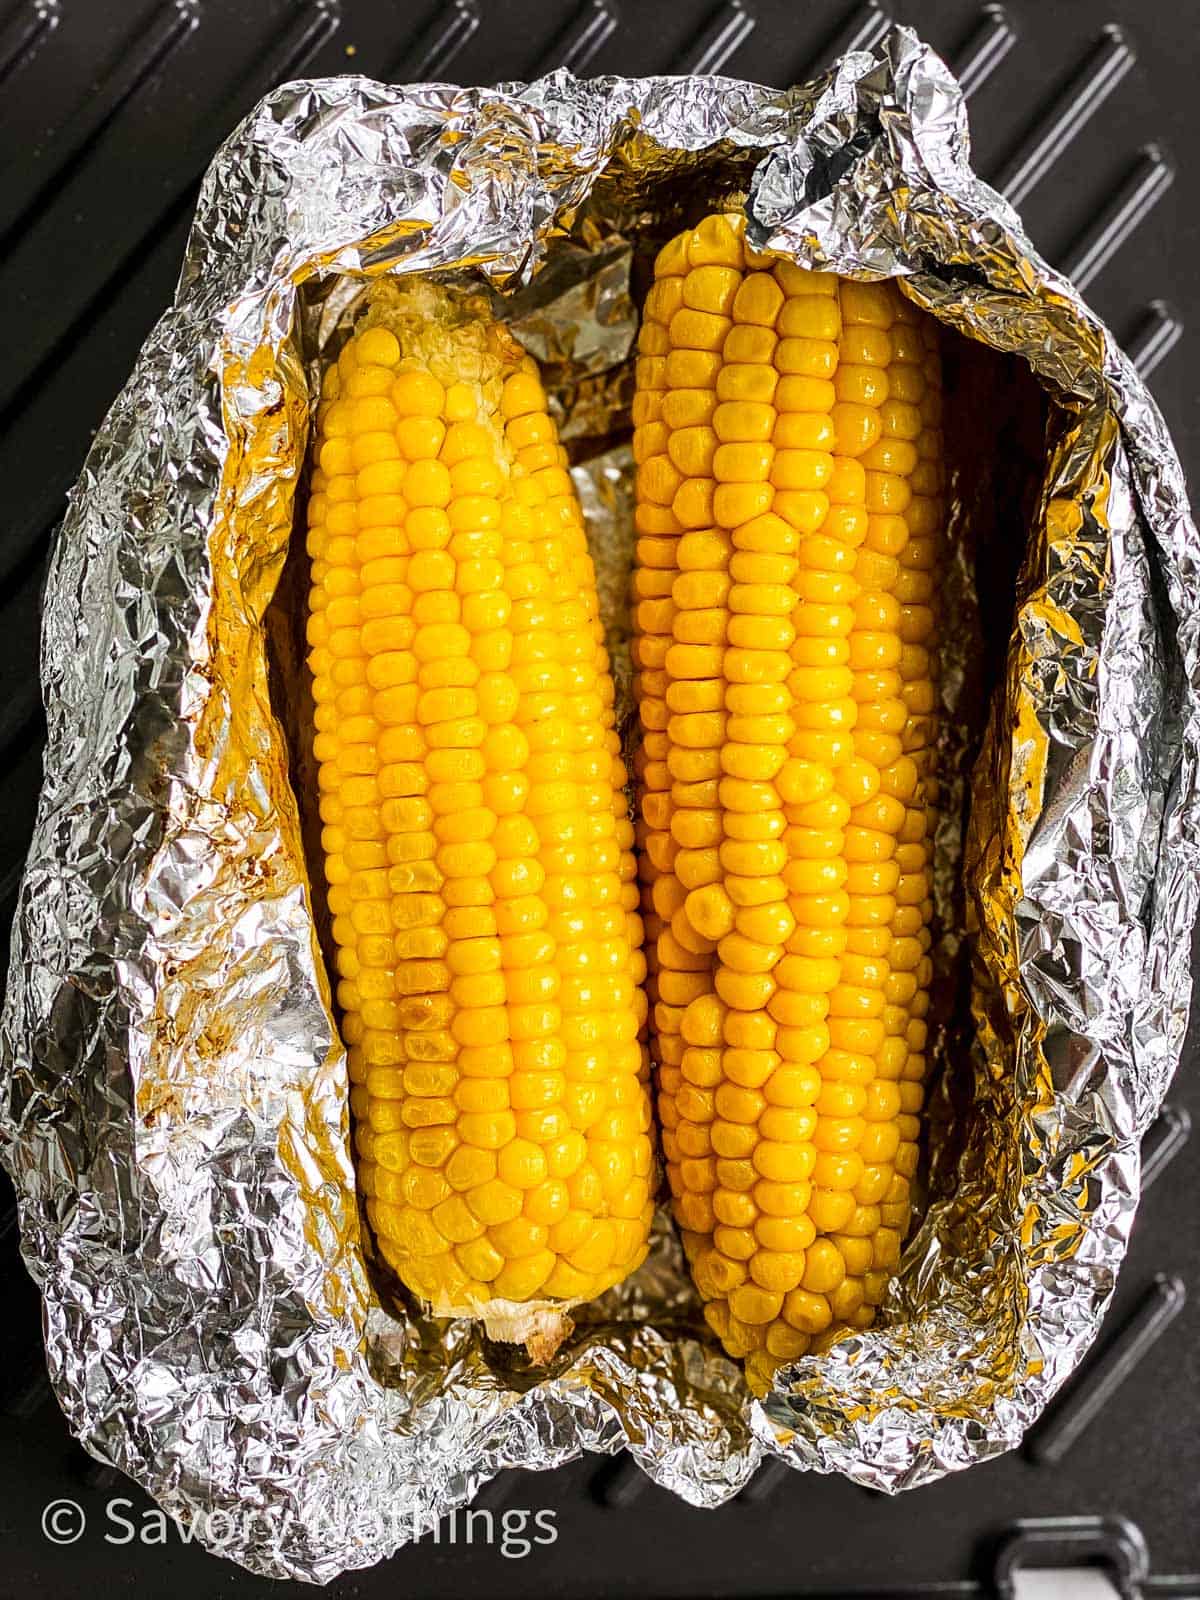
pixel 108 117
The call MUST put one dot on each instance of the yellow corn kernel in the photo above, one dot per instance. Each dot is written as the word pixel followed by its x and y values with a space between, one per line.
pixel 757 300
pixel 470 800
pixel 716 240
pixel 787 776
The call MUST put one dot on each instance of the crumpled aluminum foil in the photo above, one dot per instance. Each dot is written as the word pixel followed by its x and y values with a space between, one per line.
pixel 174 1107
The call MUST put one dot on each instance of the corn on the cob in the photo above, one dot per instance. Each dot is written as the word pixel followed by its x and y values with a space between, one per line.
pixel 788 449
pixel 477 846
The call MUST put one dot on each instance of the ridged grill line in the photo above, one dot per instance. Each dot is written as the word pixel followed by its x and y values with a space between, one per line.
pixel 1155 336
pixel 10 882
pixel 37 521
pixel 617 1484
pixel 20 696
pixel 430 53
pixel 1095 78
pixel 1143 187
pixel 1165 1138
pixel 770 1476
pixel 27 30
pixel 585 34
pixel 862 29
pixel 310 24
pixel 21 783
pixel 24 730
pixel 1102 1374
pixel 729 29
pixel 986 48
pixel 442 40
pixel 26 181
pixel 91 1473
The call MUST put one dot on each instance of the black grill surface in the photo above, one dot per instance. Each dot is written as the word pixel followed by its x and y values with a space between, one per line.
pixel 1083 114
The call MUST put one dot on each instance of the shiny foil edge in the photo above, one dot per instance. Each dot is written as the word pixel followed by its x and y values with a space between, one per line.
pixel 174 1111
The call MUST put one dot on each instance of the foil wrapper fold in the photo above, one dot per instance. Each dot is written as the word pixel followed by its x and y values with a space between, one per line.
pixel 174 1107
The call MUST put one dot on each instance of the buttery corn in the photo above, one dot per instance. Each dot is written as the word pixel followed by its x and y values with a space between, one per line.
pixel 477 846
pixel 789 481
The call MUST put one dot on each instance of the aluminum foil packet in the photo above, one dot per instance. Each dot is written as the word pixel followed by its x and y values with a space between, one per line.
pixel 174 1107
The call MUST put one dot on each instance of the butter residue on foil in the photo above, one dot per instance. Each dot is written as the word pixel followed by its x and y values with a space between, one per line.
pixel 175 1114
